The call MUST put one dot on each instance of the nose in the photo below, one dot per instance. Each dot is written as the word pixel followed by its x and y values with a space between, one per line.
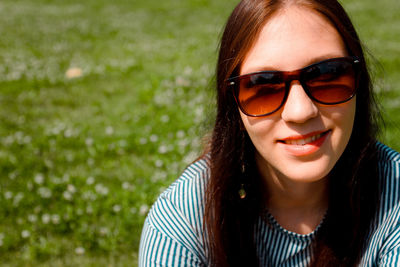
pixel 298 108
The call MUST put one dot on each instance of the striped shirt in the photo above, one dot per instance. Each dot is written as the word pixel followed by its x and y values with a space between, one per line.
pixel 173 230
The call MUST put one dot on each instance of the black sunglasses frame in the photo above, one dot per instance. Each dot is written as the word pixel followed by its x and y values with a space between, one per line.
pixel 296 75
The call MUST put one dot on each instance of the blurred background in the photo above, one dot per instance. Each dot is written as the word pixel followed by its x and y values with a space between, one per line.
pixel 104 103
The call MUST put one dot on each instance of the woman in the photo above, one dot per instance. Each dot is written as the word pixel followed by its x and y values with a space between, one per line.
pixel 294 175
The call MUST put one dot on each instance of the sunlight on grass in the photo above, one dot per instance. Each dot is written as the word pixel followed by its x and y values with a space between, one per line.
pixel 105 103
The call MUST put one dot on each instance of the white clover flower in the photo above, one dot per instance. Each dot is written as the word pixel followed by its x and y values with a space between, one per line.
pixel 89 195
pixel 44 192
pixel 164 118
pixel 89 141
pixel 68 133
pixel 89 209
pixel 101 189
pixel 163 149
pixel 143 209
pixel 69 157
pixel 49 164
pixel 199 111
pixel 19 135
pixel 111 146
pixel 188 70
pixel 190 157
pixel 180 134
pixel 133 210
pixel 116 208
pixel 123 143
pixel 32 218
pixel 8 195
pixel 8 140
pixel 109 130
pixel 153 138
pixel 79 250
pixel 67 195
pixel 159 163
pixel 65 178
pixel 181 81
pixel 27 139
pixel 103 231
pixel 90 161
pixel 54 131
pixel 126 185
pixel 25 234
pixel 196 143
pixel 158 176
pixel 183 142
pixel 12 175
pixel 56 180
pixel 90 180
pixel 71 188
pixel 46 218
pixel 39 178
pixel 55 218
pixel 143 141
pixel 17 198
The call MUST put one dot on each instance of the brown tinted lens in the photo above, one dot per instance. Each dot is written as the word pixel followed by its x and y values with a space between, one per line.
pixel 259 99
pixel 332 83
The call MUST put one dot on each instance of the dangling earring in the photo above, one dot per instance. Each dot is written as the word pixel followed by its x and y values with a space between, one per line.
pixel 242 190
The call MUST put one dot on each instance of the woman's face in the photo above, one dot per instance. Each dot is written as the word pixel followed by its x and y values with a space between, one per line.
pixel 294 38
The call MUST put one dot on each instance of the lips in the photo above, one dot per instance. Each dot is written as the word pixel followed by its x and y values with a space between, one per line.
pixel 304 145
pixel 301 140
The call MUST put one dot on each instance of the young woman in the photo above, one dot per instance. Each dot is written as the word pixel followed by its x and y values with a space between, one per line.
pixel 294 175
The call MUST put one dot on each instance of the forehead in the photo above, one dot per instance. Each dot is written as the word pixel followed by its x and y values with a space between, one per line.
pixel 292 39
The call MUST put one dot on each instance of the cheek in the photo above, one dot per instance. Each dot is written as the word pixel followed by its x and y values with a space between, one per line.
pixel 260 130
pixel 346 116
pixel 342 118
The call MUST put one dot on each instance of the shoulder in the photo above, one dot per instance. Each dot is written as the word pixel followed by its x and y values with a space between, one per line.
pixel 387 154
pixel 384 242
pixel 193 177
pixel 389 166
pixel 183 201
pixel 177 214
pixel 187 192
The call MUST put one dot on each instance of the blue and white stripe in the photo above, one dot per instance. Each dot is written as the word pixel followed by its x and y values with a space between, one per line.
pixel 173 231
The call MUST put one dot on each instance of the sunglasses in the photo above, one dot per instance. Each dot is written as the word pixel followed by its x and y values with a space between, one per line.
pixel 329 82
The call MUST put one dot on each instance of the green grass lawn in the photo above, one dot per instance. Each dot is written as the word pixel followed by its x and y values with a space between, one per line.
pixel 82 159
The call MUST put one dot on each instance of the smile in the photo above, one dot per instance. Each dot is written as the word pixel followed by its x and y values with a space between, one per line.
pixel 303 141
pixel 304 145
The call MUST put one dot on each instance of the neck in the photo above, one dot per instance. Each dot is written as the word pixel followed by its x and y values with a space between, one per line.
pixel 297 206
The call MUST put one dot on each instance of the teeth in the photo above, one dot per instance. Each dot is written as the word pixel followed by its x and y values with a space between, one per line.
pixel 302 142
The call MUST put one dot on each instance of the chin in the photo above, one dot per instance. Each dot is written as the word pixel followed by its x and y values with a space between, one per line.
pixel 302 172
pixel 310 176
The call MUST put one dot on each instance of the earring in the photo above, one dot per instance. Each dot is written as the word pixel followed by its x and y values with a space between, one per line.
pixel 242 191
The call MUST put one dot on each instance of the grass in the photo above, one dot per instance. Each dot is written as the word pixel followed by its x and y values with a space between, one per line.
pixel 82 159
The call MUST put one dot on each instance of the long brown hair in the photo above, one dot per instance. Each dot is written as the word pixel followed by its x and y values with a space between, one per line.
pixel 229 220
